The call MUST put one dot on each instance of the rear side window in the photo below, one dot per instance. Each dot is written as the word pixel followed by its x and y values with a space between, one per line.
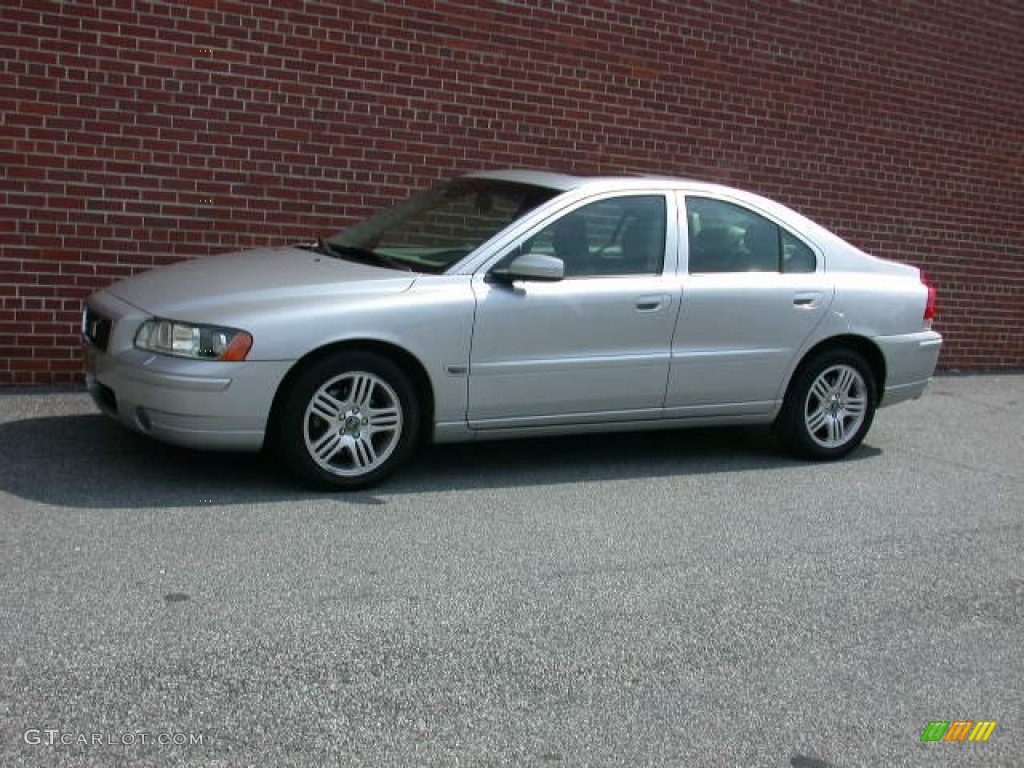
pixel 724 237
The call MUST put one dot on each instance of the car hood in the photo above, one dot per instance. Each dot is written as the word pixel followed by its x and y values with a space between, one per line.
pixel 204 288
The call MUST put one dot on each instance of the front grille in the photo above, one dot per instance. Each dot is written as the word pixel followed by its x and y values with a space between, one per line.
pixel 96 328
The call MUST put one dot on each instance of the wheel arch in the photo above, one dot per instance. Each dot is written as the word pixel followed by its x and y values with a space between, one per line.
pixel 402 357
pixel 860 344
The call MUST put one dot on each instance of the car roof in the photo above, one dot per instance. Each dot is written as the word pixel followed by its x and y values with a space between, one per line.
pixel 564 182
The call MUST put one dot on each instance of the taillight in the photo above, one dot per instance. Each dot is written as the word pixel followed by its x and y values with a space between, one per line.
pixel 929 307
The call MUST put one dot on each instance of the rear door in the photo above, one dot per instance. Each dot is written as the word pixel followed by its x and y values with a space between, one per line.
pixel 753 292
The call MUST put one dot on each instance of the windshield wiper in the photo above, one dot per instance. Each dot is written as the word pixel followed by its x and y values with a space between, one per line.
pixel 363 255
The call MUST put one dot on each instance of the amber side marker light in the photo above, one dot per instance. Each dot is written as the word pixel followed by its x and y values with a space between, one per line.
pixel 237 348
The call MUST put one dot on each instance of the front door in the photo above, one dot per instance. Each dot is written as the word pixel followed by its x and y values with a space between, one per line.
pixel 593 346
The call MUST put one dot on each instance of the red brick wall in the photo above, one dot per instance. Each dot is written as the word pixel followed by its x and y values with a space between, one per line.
pixel 137 132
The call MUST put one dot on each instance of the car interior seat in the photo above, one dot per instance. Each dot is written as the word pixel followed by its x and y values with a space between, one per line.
pixel 761 246
pixel 642 247
pixel 572 246
pixel 713 249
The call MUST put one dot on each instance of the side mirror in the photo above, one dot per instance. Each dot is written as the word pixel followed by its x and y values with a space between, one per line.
pixel 529 266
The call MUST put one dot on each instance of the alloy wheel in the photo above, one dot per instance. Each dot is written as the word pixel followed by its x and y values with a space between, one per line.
pixel 352 424
pixel 836 406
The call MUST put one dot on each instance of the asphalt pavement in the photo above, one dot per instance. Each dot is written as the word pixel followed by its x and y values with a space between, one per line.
pixel 691 598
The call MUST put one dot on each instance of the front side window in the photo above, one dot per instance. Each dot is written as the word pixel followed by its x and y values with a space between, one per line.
pixel 724 237
pixel 618 236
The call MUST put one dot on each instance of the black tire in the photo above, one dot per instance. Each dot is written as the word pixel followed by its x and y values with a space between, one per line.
pixel 348 421
pixel 829 405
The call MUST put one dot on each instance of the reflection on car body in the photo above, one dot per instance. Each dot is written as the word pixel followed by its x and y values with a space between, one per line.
pixel 515 303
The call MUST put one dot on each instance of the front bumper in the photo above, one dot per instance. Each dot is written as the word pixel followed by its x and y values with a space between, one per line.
pixel 194 403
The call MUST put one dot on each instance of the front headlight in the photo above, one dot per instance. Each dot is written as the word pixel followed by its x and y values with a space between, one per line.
pixel 200 342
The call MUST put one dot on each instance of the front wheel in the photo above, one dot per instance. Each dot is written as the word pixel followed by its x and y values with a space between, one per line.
pixel 348 421
pixel 829 406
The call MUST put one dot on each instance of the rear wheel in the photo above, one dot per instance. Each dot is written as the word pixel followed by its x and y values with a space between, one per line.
pixel 829 406
pixel 348 421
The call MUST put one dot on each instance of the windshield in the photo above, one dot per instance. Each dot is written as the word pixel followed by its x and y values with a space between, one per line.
pixel 432 231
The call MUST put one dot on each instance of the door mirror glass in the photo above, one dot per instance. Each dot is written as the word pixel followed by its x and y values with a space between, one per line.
pixel 530 266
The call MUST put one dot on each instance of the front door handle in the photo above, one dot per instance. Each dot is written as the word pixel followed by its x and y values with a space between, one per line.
pixel 650 303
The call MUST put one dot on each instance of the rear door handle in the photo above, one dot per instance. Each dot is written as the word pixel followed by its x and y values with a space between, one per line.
pixel 807 299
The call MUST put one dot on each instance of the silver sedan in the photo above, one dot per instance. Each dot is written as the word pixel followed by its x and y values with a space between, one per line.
pixel 516 303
